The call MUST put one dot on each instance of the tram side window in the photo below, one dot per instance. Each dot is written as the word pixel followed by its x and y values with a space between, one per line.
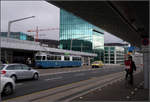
pixel 48 57
pixel 55 57
pixel 76 59
pixel 67 58
pixel 58 57
pixel 44 58
pixel 52 58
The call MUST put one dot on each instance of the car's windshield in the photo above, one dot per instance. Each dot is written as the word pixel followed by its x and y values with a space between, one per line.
pixel 1 67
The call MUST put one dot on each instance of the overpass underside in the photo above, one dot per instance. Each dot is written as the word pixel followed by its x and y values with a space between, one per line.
pixel 127 20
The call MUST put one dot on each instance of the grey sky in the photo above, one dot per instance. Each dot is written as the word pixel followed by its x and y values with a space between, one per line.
pixel 47 16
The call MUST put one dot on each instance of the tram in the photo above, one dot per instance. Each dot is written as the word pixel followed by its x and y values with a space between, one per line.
pixel 45 60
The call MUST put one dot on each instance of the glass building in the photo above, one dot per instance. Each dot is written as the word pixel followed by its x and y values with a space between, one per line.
pixel 17 35
pixel 79 35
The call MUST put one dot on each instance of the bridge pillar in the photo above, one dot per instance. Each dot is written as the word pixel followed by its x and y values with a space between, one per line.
pixel 146 65
pixel 89 61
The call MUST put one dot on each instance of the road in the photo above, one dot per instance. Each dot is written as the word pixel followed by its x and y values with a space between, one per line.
pixel 51 81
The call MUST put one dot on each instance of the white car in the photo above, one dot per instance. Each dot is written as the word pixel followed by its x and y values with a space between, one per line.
pixel 7 85
pixel 18 71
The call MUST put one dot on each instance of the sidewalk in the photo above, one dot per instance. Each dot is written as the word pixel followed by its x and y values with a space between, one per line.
pixel 118 92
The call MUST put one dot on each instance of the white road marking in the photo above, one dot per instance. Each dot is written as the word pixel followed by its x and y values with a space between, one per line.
pixel 53 78
pixel 18 84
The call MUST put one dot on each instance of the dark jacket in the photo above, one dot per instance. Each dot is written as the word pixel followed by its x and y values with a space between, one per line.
pixel 132 67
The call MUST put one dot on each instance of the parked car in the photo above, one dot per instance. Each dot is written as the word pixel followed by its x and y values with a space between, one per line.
pixel 18 71
pixel 7 85
pixel 97 64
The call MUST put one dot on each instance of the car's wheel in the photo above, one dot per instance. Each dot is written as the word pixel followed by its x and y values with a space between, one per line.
pixel 8 89
pixel 14 78
pixel 36 76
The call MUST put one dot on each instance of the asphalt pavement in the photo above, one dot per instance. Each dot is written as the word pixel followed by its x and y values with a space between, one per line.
pixel 84 84
pixel 55 79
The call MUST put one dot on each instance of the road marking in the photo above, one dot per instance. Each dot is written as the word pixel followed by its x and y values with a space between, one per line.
pixel 18 84
pixel 53 78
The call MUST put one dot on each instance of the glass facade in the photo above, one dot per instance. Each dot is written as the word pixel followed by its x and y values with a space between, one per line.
pixel 18 35
pixel 79 35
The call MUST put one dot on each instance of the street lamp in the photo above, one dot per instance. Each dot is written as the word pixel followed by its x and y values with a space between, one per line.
pixel 10 22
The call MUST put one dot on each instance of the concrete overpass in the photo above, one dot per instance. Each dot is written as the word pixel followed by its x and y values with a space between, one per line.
pixel 128 20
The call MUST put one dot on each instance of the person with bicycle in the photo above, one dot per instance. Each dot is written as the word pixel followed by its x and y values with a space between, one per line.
pixel 130 67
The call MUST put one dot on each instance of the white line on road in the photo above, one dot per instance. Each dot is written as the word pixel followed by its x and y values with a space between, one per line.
pixel 53 78
pixel 18 84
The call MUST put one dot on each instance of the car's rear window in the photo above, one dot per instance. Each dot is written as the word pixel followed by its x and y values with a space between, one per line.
pixel 1 67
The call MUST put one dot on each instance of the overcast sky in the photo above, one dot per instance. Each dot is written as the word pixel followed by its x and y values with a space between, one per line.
pixel 47 16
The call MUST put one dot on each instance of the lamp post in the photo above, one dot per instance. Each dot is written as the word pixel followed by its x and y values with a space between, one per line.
pixel 10 22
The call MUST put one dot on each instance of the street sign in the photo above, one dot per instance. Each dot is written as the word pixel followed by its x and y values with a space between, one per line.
pixel 145 41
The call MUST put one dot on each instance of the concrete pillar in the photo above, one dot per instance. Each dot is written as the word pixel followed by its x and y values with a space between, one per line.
pixel 146 66
pixel 109 55
pixel 115 56
pixel 89 62
pixel 82 59
pixel 5 55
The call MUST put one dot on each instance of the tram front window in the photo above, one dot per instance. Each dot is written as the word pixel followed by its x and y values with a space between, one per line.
pixel 38 57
